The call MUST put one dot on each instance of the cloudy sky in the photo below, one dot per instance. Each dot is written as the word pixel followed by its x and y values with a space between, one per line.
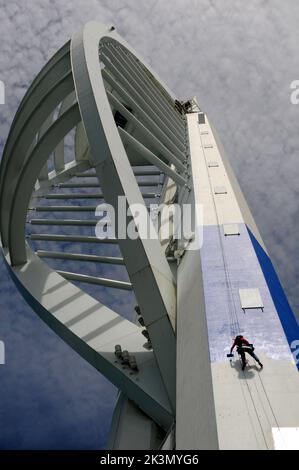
pixel 239 59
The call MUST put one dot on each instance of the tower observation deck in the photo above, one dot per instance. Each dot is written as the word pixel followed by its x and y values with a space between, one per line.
pixel 96 136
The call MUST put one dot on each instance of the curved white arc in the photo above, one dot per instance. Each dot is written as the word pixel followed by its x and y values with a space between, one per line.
pixel 28 176
pixel 126 90
pixel 146 263
pixel 140 86
pixel 57 65
pixel 82 151
pixel 59 162
pixel 39 112
pixel 44 173
pixel 93 330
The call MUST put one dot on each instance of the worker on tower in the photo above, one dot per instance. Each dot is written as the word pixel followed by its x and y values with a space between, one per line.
pixel 243 346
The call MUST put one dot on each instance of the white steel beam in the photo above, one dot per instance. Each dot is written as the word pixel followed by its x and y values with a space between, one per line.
pixel 87 195
pixel 59 161
pixel 39 112
pixel 140 89
pixel 57 66
pixel 27 178
pixel 149 156
pixel 73 222
pixel 128 69
pixel 149 272
pixel 69 208
pixel 147 135
pixel 93 330
pixel 70 238
pixel 148 79
pixel 96 185
pixel 147 117
pixel 95 280
pixel 80 257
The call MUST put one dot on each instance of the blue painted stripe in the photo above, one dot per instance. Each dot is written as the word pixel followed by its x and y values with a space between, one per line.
pixel 285 313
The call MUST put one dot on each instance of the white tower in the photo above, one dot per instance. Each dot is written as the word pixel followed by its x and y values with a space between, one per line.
pixel 96 125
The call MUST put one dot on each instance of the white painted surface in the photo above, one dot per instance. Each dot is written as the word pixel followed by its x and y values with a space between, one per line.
pixel 220 190
pixel 248 404
pixel 216 209
pixel 286 438
pixel 195 411
pixel 250 298
pixel 231 229
pixel 131 429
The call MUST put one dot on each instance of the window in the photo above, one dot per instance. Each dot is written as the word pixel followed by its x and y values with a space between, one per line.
pixel 201 118
pixel 220 190
pixel 231 229
pixel 250 298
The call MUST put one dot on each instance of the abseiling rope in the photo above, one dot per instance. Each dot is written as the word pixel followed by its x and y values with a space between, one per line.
pixel 233 317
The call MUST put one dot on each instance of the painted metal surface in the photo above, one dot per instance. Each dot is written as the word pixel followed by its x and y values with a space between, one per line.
pixel 260 400
pixel 250 298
